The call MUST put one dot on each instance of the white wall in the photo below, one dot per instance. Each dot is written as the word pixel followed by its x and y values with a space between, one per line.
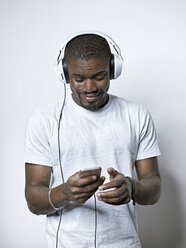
pixel 152 38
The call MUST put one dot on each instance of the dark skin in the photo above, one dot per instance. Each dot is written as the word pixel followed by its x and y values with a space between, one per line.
pixel 76 189
pixel 148 185
pixel 89 82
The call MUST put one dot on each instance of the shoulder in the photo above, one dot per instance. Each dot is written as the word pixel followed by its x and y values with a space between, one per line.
pixel 130 107
pixel 44 116
pixel 50 110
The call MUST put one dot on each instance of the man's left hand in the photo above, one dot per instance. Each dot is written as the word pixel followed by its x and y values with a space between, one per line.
pixel 121 189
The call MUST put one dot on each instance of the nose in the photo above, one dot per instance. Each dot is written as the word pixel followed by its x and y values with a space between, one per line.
pixel 89 86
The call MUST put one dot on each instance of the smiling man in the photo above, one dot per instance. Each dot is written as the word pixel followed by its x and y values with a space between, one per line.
pixel 89 82
pixel 85 209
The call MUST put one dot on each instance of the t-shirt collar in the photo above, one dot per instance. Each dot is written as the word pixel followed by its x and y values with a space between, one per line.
pixel 82 110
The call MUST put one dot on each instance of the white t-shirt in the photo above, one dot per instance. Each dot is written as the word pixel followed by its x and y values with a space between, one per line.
pixel 114 136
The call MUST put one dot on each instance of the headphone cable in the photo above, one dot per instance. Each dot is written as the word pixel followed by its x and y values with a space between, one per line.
pixel 59 122
pixel 59 156
pixel 95 221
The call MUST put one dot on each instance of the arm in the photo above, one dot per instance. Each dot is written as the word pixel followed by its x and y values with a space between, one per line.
pixel 76 189
pixel 148 185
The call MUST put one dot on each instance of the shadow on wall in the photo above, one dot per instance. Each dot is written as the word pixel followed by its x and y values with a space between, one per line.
pixel 160 225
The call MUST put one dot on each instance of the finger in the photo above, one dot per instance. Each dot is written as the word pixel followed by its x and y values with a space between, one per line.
pixel 114 193
pixel 88 187
pixel 91 180
pixel 123 199
pixel 82 196
pixel 80 182
pixel 112 184
pixel 112 172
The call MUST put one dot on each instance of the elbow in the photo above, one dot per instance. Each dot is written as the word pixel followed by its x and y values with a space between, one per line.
pixel 149 194
pixel 154 200
pixel 156 195
pixel 33 210
pixel 28 197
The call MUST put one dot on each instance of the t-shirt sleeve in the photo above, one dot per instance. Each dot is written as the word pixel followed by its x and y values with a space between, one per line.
pixel 148 143
pixel 37 148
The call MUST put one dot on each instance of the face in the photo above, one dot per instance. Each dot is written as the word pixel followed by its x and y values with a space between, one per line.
pixel 89 82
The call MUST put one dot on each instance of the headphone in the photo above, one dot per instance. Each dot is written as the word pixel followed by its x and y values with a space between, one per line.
pixel 116 61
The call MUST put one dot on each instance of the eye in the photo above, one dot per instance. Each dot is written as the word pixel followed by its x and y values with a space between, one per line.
pixel 99 78
pixel 79 79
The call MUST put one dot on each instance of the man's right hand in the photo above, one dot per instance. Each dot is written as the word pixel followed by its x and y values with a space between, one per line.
pixel 80 189
pixel 77 189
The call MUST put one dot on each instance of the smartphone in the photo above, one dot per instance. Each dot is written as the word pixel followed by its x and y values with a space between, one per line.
pixel 90 172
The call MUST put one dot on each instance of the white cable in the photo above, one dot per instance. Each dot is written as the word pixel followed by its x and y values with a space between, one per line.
pixel 59 156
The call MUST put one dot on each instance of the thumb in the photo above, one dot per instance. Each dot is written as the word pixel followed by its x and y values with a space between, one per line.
pixel 112 172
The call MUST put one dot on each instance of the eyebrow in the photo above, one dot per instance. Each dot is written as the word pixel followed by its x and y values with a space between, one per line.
pixel 93 76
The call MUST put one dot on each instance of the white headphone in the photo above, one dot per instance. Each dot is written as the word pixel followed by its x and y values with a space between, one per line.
pixel 116 61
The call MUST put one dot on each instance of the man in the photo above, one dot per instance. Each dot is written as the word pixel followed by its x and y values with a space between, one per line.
pixel 96 129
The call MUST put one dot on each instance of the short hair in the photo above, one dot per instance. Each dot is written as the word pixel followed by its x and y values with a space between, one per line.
pixel 86 47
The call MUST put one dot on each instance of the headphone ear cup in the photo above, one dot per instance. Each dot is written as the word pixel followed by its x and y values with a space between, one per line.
pixel 112 67
pixel 65 71
pixel 117 65
pixel 59 71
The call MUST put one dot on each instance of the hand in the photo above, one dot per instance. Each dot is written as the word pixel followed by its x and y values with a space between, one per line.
pixel 80 189
pixel 121 194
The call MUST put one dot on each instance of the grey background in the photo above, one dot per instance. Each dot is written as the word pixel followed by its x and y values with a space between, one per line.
pixel 152 37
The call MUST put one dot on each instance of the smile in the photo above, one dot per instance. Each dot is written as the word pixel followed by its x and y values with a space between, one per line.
pixel 91 98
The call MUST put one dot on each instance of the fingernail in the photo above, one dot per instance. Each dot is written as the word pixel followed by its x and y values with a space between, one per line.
pixel 101 188
pixel 94 177
pixel 98 194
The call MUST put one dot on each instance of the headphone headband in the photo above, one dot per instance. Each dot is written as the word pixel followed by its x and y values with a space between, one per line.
pixel 116 63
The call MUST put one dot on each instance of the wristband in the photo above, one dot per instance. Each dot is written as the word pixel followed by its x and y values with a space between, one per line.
pixel 50 201
pixel 133 189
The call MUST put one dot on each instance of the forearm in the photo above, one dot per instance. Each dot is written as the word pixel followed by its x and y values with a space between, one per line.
pixel 38 200
pixel 148 190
